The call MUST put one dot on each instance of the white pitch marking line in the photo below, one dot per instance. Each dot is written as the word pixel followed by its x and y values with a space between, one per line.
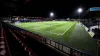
pixel 53 33
pixel 62 33
pixel 67 30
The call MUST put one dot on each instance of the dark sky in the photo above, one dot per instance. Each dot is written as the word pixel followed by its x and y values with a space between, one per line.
pixel 42 8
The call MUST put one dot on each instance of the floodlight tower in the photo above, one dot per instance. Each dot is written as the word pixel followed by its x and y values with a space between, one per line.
pixel 79 11
pixel 51 16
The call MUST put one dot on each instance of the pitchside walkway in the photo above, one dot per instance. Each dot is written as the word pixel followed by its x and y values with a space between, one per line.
pixel 81 40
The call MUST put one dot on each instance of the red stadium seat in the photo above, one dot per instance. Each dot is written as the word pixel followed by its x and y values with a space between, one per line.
pixel 20 41
pixel 25 48
pixel 2 42
pixel 22 44
pixel 2 46
pixel 3 52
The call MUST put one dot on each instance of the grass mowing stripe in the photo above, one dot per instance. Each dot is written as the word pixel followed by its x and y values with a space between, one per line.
pixel 61 29
pixel 50 27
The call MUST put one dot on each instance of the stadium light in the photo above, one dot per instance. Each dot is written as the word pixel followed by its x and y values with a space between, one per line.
pixel 79 11
pixel 51 14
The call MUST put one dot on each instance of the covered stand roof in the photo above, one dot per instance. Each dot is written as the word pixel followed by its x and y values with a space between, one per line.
pixel 92 12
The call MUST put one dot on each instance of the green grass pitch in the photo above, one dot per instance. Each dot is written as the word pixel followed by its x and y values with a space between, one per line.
pixel 68 33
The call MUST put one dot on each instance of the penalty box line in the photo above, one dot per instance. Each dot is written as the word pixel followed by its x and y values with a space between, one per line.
pixel 57 33
pixel 62 33
pixel 67 30
pixel 52 33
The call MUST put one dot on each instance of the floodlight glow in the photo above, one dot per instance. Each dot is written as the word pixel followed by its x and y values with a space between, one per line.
pixel 80 10
pixel 51 14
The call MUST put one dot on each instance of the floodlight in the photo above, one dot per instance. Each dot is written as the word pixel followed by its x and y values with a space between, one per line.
pixel 51 14
pixel 80 10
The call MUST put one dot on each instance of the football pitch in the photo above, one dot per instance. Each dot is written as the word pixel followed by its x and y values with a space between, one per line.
pixel 69 33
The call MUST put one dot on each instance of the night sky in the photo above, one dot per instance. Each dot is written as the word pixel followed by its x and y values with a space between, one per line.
pixel 42 8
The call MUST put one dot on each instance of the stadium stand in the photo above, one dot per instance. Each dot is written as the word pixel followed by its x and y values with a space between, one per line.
pixel 24 45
